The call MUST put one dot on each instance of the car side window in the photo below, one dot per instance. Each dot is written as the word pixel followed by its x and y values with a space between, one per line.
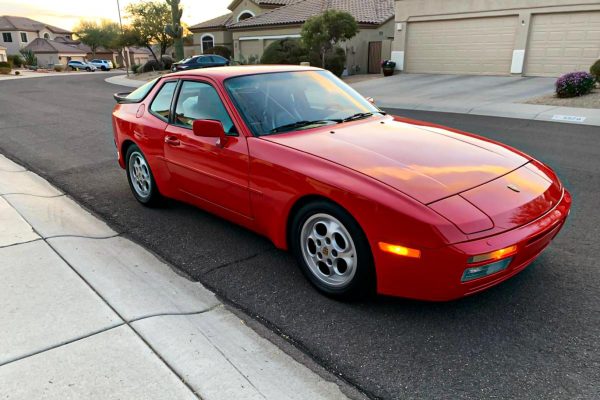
pixel 202 60
pixel 161 105
pixel 198 100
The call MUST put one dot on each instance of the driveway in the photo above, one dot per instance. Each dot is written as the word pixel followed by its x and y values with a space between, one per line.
pixel 452 93
pixel 536 336
pixel 500 96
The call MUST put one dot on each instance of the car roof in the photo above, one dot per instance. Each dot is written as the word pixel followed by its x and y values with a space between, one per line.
pixel 222 73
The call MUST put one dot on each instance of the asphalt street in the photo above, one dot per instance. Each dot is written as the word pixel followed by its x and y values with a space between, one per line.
pixel 535 336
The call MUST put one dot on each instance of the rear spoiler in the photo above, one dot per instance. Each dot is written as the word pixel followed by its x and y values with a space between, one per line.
pixel 121 98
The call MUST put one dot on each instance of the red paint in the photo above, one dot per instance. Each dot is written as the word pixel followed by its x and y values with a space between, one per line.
pixel 410 183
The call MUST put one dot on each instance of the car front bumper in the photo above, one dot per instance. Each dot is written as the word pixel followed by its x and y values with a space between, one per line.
pixel 436 276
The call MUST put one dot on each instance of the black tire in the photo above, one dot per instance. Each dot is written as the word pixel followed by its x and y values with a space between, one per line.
pixel 153 198
pixel 88 69
pixel 362 284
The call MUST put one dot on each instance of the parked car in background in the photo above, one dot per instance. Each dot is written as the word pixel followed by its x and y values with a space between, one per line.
pixel 104 65
pixel 366 201
pixel 81 65
pixel 203 61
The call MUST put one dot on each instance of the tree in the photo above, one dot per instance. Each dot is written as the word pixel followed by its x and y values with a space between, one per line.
pixel 148 20
pixel 175 29
pixel 105 34
pixel 322 33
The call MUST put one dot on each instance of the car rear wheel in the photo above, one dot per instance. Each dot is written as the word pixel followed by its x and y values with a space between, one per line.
pixel 141 181
pixel 103 68
pixel 88 69
pixel 332 251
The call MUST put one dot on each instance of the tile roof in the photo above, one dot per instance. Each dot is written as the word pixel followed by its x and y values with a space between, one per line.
pixel 40 45
pixel 373 12
pixel 275 2
pixel 220 22
pixel 11 23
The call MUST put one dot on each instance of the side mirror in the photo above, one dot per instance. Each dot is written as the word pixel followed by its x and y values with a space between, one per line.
pixel 210 128
pixel 370 100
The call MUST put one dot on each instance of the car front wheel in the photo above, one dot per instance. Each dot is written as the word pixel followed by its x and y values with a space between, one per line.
pixel 141 180
pixel 332 251
pixel 88 69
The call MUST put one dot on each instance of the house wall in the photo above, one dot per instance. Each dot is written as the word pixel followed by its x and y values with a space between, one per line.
pixel 16 44
pixel 50 59
pixel 253 42
pixel 246 5
pixel 566 32
pixel 357 49
pixel 222 38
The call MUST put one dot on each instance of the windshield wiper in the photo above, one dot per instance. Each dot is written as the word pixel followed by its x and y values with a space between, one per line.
pixel 302 124
pixel 358 116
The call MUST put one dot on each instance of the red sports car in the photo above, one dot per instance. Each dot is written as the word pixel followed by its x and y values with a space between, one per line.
pixel 366 201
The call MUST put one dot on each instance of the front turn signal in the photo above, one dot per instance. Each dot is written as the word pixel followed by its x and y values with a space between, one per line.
pixel 494 255
pixel 400 250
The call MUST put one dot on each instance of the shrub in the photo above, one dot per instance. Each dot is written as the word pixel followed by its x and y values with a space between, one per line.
pixel 29 57
pixel 135 68
pixel 4 64
pixel 595 70
pixel 17 73
pixel 4 68
pixel 167 61
pixel 574 84
pixel 59 67
pixel 284 51
pixel 151 65
pixel 220 51
pixel 16 60
pixel 334 61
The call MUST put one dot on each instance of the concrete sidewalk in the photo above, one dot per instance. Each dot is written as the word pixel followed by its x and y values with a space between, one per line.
pixel 88 314
pixel 498 96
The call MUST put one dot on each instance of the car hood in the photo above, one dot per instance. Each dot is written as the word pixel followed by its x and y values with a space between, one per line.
pixel 425 162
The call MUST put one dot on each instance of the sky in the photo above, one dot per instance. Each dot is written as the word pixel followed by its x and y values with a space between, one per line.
pixel 67 13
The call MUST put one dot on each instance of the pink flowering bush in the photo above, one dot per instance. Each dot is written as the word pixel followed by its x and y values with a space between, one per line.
pixel 574 84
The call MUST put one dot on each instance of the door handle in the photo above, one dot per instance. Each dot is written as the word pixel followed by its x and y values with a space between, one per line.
pixel 172 141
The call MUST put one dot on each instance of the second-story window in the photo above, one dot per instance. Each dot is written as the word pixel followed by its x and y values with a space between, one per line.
pixel 6 37
pixel 24 37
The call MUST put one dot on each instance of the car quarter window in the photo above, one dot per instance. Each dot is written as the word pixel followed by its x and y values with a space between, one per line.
pixel 161 105
pixel 199 100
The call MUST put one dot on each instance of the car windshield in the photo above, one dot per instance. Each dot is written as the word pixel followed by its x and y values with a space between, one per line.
pixel 288 101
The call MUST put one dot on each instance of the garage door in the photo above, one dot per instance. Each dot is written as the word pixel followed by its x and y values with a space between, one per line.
pixel 466 46
pixel 250 48
pixel 565 42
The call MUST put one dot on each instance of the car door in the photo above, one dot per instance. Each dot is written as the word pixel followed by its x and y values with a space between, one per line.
pixel 201 166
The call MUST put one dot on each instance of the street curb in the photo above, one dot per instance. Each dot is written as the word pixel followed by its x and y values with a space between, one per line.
pixel 225 357
pixel 122 80
pixel 565 115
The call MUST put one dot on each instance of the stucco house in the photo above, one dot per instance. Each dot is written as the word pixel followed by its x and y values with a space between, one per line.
pixel 533 37
pixel 18 32
pixel 254 24
pixel 51 52
pixel 3 55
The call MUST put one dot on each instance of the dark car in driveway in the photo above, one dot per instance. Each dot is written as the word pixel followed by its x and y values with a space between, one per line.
pixel 203 61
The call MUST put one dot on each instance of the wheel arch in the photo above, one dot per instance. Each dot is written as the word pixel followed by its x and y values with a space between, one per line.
pixel 307 199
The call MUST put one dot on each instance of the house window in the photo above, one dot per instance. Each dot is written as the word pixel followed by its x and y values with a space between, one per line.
pixel 245 15
pixel 46 35
pixel 24 37
pixel 208 42
pixel 6 37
